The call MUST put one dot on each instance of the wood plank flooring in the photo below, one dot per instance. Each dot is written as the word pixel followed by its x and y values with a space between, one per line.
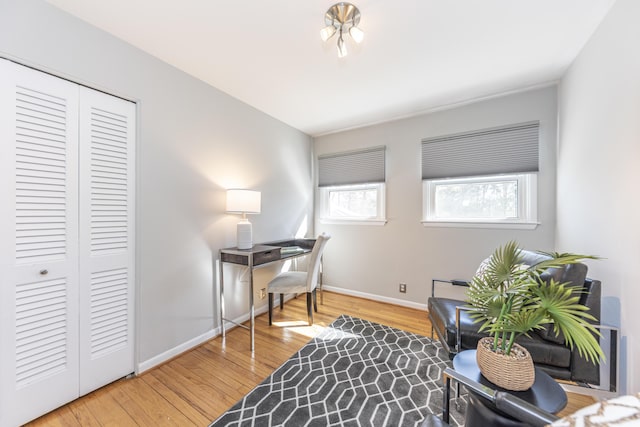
pixel 199 385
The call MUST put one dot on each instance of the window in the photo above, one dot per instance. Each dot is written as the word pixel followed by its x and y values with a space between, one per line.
pixel 352 187
pixel 480 178
pixel 498 199
pixel 352 202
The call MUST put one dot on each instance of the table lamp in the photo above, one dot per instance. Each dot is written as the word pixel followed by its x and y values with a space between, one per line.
pixel 244 202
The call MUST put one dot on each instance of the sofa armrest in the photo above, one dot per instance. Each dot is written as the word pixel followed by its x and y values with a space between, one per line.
pixel 459 308
pixel 581 369
pixel 458 339
pixel 614 356
pixel 602 391
pixel 454 282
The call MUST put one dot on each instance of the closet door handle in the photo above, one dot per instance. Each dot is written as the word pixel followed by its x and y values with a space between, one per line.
pixel 44 272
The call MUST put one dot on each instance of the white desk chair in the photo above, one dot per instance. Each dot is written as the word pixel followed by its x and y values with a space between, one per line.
pixel 297 282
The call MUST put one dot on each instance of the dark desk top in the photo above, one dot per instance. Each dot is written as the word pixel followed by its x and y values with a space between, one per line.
pixel 264 253
pixel 261 247
pixel 545 393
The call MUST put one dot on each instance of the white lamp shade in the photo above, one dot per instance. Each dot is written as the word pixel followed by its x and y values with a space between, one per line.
pixel 342 48
pixel 357 34
pixel 243 201
pixel 327 32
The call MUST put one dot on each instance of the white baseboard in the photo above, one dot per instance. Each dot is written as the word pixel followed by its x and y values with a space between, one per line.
pixel 175 351
pixel 194 342
pixel 374 297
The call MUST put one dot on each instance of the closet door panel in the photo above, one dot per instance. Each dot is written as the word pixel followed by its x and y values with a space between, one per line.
pixel 107 134
pixel 38 243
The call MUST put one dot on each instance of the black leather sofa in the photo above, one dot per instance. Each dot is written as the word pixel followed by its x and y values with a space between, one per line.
pixel 548 351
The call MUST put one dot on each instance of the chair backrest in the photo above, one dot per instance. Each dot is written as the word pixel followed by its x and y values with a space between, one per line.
pixel 573 275
pixel 314 261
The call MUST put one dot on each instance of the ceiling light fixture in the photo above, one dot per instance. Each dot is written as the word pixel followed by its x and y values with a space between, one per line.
pixel 341 18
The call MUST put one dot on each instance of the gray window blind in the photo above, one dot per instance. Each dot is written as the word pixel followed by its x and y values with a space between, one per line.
pixel 352 167
pixel 507 149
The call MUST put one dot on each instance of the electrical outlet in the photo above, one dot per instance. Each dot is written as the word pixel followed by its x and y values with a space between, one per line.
pixel 403 288
pixel 263 293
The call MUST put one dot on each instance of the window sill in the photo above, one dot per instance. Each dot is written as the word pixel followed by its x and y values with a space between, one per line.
pixel 478 224
pixel 353 221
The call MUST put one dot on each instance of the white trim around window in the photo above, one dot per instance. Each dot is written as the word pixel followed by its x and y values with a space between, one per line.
pixel 524 214
pixel 335 207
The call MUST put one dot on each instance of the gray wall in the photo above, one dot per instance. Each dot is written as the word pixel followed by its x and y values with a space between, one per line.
pixel 404 250
pixel 598 170
pixel 194 142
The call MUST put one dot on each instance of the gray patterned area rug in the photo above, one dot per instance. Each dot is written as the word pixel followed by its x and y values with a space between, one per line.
pixel 355 373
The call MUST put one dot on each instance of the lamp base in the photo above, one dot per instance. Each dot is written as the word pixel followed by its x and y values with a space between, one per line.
pixel 245 234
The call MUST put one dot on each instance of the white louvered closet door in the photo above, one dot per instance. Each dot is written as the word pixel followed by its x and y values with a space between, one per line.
pixel 66 241
pixel 107 128
pixel 38 243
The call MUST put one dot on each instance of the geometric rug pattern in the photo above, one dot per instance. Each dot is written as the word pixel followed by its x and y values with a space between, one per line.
pixel 355 373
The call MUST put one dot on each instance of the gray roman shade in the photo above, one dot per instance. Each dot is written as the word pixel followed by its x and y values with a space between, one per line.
pixel 506 149
pixel 352 167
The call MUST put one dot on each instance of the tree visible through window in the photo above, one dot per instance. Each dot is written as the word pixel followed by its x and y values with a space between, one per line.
pixel 482 200
pixel 344 203
pixel 508 199
pixel 353 203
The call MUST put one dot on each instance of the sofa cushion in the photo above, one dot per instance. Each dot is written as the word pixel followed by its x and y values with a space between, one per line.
pixel 545 352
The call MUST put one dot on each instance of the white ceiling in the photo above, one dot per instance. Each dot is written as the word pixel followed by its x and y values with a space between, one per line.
pixel 417 55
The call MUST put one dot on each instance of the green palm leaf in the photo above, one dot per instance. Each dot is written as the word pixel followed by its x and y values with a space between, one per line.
pixel 510 299
pixel 562 307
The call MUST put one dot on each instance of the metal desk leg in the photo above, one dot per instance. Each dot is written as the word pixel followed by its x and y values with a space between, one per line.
pixel 220 267
pixel 320 274
pixel 252 319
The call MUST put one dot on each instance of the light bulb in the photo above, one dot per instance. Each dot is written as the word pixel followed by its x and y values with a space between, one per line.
pixel 342 48
pixel 327 32
pixel 357 34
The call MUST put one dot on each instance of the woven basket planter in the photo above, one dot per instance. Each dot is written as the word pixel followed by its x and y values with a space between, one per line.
pixel 514 372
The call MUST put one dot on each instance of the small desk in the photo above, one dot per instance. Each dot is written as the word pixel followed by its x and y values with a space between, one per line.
pixel 545 393
pixel 259 255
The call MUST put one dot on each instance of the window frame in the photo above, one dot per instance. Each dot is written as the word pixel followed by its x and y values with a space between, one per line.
pixel 379 219
pixel 527 209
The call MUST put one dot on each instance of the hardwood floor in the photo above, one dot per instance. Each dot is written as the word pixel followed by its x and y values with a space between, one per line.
pixel 199 385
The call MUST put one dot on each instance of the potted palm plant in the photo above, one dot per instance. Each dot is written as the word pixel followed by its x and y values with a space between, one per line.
pixel 511 299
